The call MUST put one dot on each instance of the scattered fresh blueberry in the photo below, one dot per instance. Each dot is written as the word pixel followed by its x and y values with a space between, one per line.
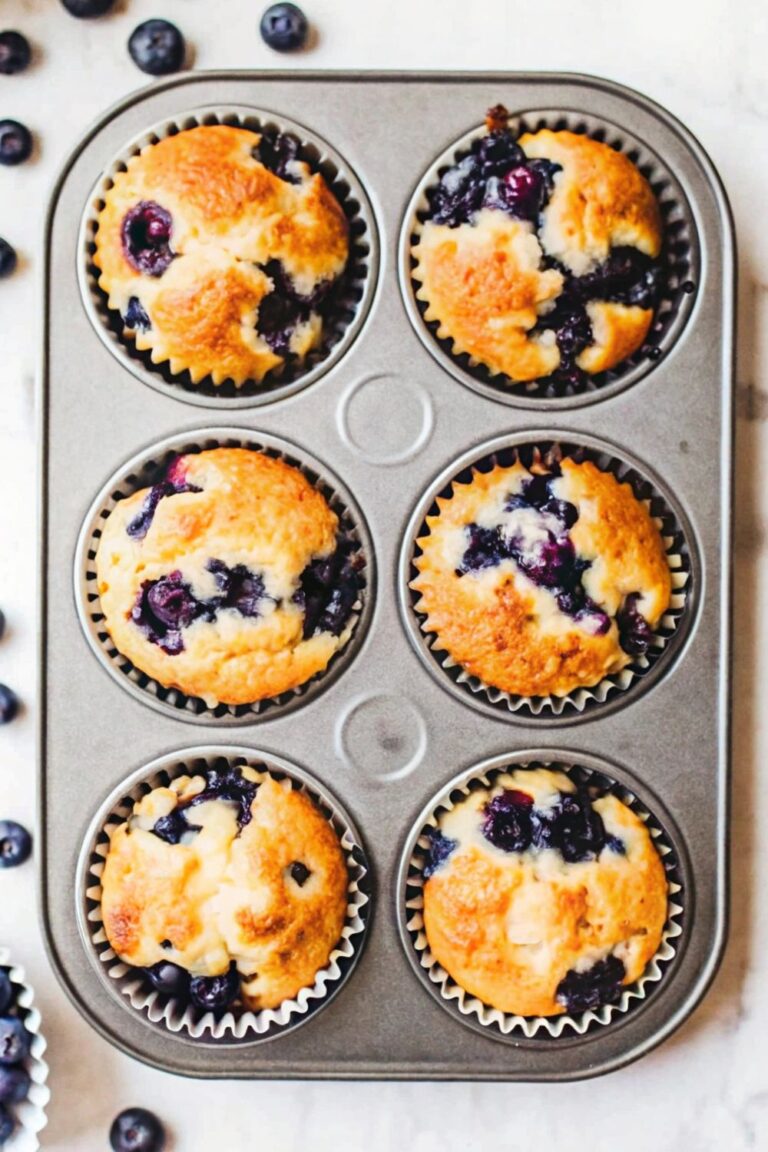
pixel 507 821
pixel 284 27
pixel 146 238
pixel 169 979
pixel 157 47
pixel 300 873
pixel 6 990
pixel 598 985
pixel 7 1125
pixel 85 9
pixel 15 844
pixel 15 142
pixel 14 1040
pixel 15 53
pixel 440 848
pixel 136 1130
pixel 215 993
pixel 14 1085
pixel 8 258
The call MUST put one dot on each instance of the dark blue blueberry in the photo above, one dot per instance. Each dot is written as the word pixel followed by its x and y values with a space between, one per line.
pixel 635 633
pixel 15 143
pixel 174 826
pixel 524 192
pixel 166 606
pixel 626 276
pixel 135 316
pixel 7 1125
pixel 157 47
pixel 84 9
pixel 276 151
pixel 277 321
pixel 562 510
pixel 598 985
pixel 8 258
pixel 549 564
pixel 284 27
pixel 14 1040
pixel 300 873
pixel 485 548
pixel 14 1085
pixel 614 844
pixel 440 848
pixel 241 589
pixel 140 525
pixel 15 53
pixel 15 844
pixel 497 153
pixel 146 238
pixel 169 979
pixel 507 821
pixel 136 1130
pixel 6 990
pixel 459 194
pixel 572 827
pixel 228 783
pixel 329 588
pixel 215 993
pixel 9 704
pixel 547 170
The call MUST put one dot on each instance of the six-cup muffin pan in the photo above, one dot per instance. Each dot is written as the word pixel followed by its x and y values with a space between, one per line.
pixel 384 419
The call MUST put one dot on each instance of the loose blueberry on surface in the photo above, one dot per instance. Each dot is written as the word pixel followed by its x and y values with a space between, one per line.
pixel 507 821
pixel 84 9
pixel 14 1085
pixel 440 848
pixel 329 588
pixel 136 1130
pixel 169 979
pixel 157 47
pixel 146 238
pixel 635 633
pixel 7 1125
pixel 135 316
pixel 15 844
pixel 15 52
pixel 215 993
pixel 598 985
pixel 8 258
pixel 15 142
pixel 300 873
pixel 284 27
pixel 14 1040
pixel 6 990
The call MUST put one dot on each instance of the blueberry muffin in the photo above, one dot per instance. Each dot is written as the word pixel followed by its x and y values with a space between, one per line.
pixel 540 898
pixel 228 888
pixel 229 579
pixel 539 256
pixel 542 581
pixel 220 249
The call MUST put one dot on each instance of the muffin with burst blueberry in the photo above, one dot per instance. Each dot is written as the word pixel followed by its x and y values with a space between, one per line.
pixel 542 897
pixel 543 580
pixel 538 257
pixel 230 579
pixel 221 250
pixel 229 889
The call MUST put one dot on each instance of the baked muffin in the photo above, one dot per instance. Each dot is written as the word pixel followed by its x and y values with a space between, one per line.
pixel 542 581
pixel 539 257
pixel 541 899
pixel 220 250
pixel 229 579
pixel 227 888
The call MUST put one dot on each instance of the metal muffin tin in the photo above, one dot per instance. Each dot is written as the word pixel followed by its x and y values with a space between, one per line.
pixel 386 734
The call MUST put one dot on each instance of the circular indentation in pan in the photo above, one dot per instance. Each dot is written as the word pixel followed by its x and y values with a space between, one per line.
pixel 129 987
pixel 615 690
pixel 680 258
pixel 590 771
pixel 140 472
pixel 351 302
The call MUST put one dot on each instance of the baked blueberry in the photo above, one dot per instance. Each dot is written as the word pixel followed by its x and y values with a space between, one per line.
pixel 174 826
pixel 85 9
pixel 169 979
pixel 507 821
pixel 6 991
pixel 8 258
pixel 14 1040
pixel 15 52
pixel 230 784
pixel 135 316
pixel 582 991
pixel 215 993
pixel 284 27
pixel 7 1125
pixel 9 704
pixel 174 484
pixel 15 844
pixel 157 47
pixel 146 238
pixel 635 631
pixel 136 1130
pixel 440 848
pixel 14 1084
pixel 300 873
pixel 15 142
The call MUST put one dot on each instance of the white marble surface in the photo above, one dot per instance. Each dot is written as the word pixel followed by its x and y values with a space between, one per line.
pixel 707 1088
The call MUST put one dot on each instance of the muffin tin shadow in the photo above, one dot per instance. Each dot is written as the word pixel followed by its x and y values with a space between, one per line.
pixel 380 730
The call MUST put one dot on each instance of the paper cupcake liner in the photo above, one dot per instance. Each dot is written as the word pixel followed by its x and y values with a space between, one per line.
pixel 469 1009
pixel 582 702
pixel 140 472
pixel 680 259
pixel 30 1114
pixel 352 298
pixel 129 984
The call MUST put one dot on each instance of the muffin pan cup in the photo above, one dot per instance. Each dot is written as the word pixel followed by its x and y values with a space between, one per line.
pixel 389 732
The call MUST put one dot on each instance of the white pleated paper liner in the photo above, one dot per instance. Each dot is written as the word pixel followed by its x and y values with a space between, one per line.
pixel 680 261
pixel 469 1009
pixel 668 635
pixel 144 469
pixel 351 298
pixel 30 1114
pixel 130 984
